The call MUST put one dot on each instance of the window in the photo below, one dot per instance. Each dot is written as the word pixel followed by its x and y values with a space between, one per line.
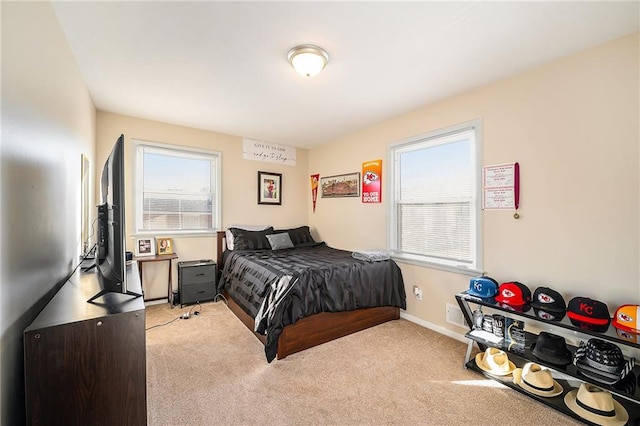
pixel 435 198
pixel 177 189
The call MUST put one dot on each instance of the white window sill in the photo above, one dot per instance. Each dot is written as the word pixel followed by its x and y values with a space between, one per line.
pixel 463 270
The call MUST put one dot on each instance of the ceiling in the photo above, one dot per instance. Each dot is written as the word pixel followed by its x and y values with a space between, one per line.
pixel 222 66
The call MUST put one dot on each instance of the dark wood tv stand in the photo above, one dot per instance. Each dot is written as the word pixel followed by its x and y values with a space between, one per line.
pixel 85 363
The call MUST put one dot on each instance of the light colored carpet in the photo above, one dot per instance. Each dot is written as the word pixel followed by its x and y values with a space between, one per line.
pixel 211 370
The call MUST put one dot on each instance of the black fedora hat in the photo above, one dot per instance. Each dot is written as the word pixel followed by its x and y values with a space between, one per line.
pixel 551 348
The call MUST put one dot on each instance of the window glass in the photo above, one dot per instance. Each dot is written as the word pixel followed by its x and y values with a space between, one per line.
pixel 434 211
pixel 176 189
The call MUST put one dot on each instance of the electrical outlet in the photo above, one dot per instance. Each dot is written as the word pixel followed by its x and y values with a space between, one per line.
pixel 417 292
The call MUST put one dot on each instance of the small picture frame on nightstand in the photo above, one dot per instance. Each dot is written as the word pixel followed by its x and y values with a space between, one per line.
pixel 145 247
pixel 164 245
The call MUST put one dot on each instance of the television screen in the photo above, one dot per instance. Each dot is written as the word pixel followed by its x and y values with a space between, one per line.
pixel 110 251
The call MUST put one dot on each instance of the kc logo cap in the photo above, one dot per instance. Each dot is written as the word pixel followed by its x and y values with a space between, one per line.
pixel 549 300
pixel 589 314
pixel 627 318
pixel 513 293
pixel 483 287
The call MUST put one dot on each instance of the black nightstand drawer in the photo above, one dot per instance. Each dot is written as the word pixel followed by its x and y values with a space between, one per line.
pixel 197 281
pixel 197 274
pixel 197 293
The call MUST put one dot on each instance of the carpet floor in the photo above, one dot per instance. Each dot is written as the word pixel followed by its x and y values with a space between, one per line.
pixel 211 370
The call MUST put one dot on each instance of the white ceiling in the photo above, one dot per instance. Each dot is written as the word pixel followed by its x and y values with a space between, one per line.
pixel 222 66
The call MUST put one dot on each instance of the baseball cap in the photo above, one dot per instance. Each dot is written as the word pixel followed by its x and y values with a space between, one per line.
pixel 588 314
pixel 483 287
pixel 548 300
pixel 513 293
pixel 627 318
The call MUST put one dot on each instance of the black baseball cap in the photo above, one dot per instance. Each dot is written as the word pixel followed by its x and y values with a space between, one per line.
pixel 589 314
pixel 548 299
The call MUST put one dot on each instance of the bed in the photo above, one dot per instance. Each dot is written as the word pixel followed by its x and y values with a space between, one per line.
pixel 295 298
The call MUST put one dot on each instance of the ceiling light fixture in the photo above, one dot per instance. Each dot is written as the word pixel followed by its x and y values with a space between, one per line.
pixel 308 59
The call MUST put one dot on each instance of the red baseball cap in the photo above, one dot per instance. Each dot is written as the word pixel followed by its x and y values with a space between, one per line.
pixel 514 294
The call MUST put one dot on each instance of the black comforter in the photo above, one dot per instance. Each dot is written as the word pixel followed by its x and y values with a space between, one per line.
pixel 280 287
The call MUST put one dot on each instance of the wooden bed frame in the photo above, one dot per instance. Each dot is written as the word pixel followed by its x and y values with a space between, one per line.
pixel 316 329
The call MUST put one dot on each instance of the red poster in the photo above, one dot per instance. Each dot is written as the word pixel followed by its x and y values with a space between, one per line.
pixel 314 189
pixel 372 181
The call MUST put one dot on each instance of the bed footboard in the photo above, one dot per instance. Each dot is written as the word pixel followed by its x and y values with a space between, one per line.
pixel 320 328
pixel 326 326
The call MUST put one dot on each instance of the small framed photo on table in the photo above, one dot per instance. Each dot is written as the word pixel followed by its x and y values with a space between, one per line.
pixel 145 247
pixel 269 188
pixel 164 245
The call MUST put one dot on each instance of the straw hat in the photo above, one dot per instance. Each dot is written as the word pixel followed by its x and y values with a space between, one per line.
pixel 596 405
pixel 495 361
pixel 536 380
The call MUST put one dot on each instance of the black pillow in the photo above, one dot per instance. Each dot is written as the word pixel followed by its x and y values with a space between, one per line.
pixel 300 237
pixel 251 240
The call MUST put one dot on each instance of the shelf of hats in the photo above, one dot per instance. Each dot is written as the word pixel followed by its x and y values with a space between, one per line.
pixel 571 356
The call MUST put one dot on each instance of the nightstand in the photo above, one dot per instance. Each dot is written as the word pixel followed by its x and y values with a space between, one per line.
pixel 197 281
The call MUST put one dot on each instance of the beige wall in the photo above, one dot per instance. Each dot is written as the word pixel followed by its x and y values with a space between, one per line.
pixel 48 121
pixel 239 186
pixel 573 125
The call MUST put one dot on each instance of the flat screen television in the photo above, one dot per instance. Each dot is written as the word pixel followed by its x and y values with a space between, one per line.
pixel 110 260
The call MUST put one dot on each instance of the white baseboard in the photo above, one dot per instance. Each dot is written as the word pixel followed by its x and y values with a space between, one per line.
pixel 434 327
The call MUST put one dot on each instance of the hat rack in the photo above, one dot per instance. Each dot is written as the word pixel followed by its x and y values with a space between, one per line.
pixel 624 393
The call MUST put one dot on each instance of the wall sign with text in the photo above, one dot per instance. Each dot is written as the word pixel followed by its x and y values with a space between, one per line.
pixel 269 152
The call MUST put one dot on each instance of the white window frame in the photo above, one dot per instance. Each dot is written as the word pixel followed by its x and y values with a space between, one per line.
pixel 138 177
pixel 404 145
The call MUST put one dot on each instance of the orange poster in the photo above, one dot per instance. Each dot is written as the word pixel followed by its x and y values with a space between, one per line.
pixel 372 181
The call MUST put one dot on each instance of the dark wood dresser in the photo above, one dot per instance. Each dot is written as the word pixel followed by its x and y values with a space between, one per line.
pixel 85 363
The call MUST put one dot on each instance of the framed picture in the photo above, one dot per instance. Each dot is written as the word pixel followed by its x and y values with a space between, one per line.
pixel 164 245
pixel 145 247
pixel 347 185
pixel 269 188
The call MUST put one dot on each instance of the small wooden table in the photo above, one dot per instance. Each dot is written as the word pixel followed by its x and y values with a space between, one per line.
pixel 157 258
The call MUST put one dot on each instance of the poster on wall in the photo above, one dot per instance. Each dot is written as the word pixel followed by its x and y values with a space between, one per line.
pixel 501 187
pixel 314 189
pixel 372 181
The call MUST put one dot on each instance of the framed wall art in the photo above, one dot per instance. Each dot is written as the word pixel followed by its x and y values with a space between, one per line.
pixel 145 247
pixel 164 245
pixel 347 185
pixel 269 188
